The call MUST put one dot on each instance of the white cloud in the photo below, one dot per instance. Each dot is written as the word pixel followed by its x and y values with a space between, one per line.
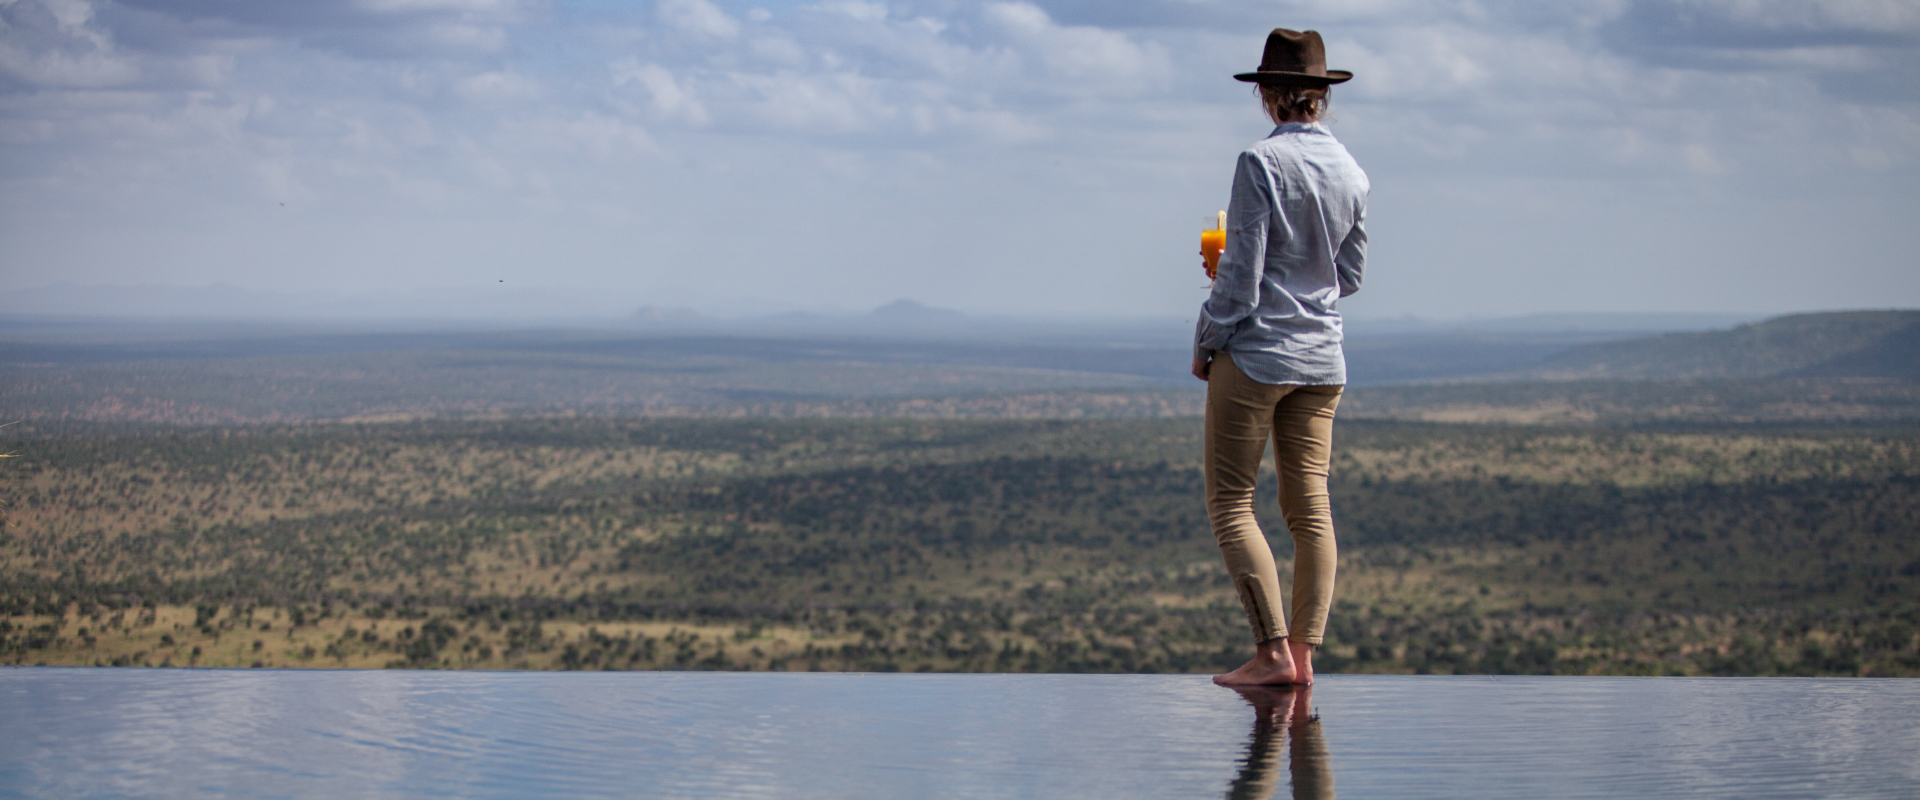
pixel 499 87
pixel 1877 16
pixel 670 99
pixel 472 7
pixel 778 50
pixel 1081 53
pixel 487 127
pixel 835 102
pixel 468 37
pixel 697 17
pixel 863 12
pixel 73 16
pixel 71 52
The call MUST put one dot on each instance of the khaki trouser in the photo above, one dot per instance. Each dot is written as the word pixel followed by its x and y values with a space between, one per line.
pixel 1242 414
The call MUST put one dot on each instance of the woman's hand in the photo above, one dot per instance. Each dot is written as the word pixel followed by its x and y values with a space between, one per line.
pixel 1202 365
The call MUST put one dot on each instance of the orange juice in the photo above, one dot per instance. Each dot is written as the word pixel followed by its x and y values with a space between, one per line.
pixel 1213 243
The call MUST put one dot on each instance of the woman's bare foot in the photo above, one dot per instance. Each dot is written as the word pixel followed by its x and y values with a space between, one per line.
pixel 1302 662
pixel 1272 665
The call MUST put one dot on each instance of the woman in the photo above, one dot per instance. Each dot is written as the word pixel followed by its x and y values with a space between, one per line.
pixel 1268 346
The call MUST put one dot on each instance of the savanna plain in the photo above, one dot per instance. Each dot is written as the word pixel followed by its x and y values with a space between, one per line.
pixel 1522 543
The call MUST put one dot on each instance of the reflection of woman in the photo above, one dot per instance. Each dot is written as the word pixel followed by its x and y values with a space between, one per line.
pixel 1290 711
pixel 1268 346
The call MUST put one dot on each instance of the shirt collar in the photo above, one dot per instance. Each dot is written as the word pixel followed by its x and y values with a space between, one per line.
pixel 1300 127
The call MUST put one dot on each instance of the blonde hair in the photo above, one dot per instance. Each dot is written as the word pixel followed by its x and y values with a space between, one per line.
pixel 1293 103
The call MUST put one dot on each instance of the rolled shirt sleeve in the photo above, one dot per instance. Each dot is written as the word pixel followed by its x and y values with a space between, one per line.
pixel 1351 262
pixel 1236 283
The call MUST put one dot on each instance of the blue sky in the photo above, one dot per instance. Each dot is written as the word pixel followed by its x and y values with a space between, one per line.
pixel 1029 158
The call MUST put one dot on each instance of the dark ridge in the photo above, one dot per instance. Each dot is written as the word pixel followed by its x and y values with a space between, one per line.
pixel 1843 344
pixel 1895 355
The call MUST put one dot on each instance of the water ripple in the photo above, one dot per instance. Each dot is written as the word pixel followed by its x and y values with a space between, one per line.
pixel 271 733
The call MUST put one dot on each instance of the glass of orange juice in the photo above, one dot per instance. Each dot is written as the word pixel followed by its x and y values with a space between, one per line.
pixel 1213 242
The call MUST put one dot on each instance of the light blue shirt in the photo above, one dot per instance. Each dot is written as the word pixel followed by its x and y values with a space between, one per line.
pixel 1296 244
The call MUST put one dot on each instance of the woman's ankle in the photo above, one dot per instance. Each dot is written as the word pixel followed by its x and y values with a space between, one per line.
pixel 1300 655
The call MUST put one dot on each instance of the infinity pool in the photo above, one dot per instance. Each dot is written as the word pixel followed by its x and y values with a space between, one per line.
pixel 271 733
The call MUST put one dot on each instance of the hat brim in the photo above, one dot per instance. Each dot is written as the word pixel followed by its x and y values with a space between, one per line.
pixel 1333 76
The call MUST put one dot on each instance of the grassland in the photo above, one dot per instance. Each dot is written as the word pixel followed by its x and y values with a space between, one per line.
pixel 398 387
pixel 1642 403
pixel 1003 545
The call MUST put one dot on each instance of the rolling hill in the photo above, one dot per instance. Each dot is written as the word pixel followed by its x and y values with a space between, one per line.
pixel 1843 344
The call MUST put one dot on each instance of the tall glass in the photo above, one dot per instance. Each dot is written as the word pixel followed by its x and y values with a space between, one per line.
pixel 1213 242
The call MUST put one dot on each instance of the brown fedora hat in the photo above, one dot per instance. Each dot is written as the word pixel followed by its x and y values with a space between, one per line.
pixel 1297 57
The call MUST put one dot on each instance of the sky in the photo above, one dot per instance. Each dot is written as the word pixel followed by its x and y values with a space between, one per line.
pixel 1039 159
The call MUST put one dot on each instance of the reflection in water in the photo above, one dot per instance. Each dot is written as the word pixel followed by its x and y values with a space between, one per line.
pixel 1283 714
pixel 326 734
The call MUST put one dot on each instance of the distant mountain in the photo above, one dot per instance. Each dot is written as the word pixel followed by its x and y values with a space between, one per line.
pixel 1841 344
pixel 904 310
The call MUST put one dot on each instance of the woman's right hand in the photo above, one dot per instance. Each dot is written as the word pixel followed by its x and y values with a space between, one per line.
pixel 1202 366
